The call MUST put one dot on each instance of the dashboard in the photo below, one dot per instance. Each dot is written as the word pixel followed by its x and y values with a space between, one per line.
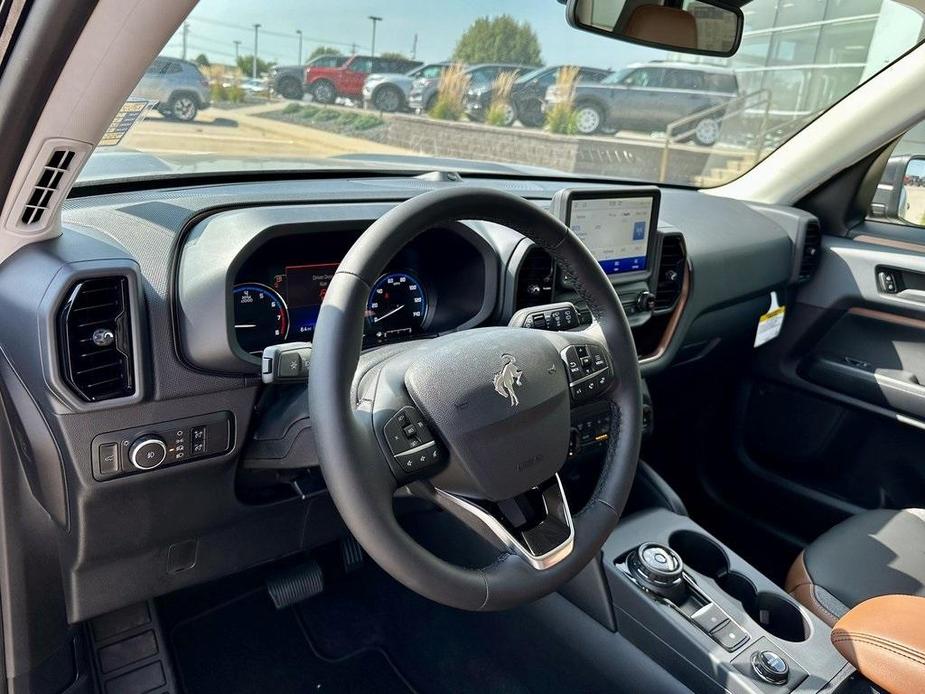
pixel 197 266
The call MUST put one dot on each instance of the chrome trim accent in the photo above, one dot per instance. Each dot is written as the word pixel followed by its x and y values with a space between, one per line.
pixel 416 449
pixel 538 562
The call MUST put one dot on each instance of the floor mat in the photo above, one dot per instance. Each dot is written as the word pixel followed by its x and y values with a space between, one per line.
pixel 246 645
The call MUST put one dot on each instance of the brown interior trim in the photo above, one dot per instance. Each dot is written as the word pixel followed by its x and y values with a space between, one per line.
pixel 886 317
pixel 891 243
pixel 672 326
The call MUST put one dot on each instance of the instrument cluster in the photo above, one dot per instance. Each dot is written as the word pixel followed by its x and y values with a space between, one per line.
pixel 279 289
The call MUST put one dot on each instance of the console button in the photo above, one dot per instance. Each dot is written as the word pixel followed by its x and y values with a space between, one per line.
pixel 147 453
pixel 770 667
pixel 730 635
pixel 109 458
pixel 709 617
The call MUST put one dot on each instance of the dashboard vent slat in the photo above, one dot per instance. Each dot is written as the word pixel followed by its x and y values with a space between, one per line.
pixel 49 180
pixel 672 264
pixel 95 339
pixel 534 279
pixel 811 253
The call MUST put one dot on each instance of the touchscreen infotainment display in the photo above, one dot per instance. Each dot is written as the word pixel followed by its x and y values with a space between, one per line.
pixel 616 230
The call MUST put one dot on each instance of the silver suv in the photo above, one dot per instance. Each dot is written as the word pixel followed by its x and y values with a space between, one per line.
pixel 178 86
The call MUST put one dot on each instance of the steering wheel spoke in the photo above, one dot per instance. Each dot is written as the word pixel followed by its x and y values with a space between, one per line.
pixel 535 526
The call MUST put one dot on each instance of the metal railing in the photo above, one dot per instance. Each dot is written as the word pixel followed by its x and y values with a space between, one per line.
pixel 681 130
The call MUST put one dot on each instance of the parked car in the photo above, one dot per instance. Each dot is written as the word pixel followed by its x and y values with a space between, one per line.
pixel 424 90
pixel 288 80
pixel 390 92
pixel 254 87
pixel 178 86
pixel 326 84
pixel 527 95
pixel 649 96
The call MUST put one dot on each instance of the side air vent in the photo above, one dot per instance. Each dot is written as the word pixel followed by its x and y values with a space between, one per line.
pixel 49 181
pixel 95 339
pixel 812 250
pixel 672 264
pixel 534 279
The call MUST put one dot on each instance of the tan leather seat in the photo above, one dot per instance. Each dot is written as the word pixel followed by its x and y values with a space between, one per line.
pixel 871 554
pixel 657 24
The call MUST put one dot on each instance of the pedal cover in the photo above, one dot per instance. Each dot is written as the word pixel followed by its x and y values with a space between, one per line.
pixel 352 554
pixel 296 584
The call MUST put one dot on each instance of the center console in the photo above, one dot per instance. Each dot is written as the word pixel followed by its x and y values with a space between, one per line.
pixel 709 617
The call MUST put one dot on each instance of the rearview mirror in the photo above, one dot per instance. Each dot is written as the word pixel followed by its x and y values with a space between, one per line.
pixel 900 196
pixel 704 27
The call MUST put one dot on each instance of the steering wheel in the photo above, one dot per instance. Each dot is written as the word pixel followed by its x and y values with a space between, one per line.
pixel 477 421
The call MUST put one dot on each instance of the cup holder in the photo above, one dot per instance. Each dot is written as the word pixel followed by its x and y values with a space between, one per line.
pixel 776 614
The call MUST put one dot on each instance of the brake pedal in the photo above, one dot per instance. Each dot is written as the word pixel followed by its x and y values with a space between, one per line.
pixel 352 554
pixel 296 584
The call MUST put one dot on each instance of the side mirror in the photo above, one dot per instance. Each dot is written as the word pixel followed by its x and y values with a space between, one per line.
pixel 900 196
pixel 703 27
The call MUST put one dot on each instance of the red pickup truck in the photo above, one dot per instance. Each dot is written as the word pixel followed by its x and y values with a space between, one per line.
pixel 325 84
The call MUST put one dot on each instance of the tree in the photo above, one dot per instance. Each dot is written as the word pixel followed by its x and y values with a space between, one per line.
pixel 245 64
pixel 323 50
pixel 202 60
pixel 393 55
pixel 499 39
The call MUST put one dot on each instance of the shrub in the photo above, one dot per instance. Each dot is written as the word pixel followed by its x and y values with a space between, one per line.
pixel 500 108
pixel 309 111
pixel 235 94
pixel 451 93
pixel 366 122
pixel 326 114
pixel 292 108
pixel 346 118
pixel 561 117
pixel 218 93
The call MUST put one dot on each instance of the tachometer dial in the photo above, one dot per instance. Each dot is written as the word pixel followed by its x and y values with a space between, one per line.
pixel 397 306
pixel 261 318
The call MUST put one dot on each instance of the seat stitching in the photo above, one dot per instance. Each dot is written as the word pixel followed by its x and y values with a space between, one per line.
pixel 812 594
pixel 842 633
pixel 877 644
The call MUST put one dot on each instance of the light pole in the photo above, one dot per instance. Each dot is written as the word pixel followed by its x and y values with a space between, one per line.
pixel 375 21
pixel 254 63
pixel 237 51
pixel 299 32
pixel 185 34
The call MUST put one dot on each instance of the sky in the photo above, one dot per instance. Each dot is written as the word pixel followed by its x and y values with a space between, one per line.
pixel 214 26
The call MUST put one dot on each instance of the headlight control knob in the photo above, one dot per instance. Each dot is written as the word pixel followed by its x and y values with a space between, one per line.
pixel 147 452
pixel 645 302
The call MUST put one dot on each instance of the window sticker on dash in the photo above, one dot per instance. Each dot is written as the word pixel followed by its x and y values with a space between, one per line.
pixel 133 111
pixel 771 323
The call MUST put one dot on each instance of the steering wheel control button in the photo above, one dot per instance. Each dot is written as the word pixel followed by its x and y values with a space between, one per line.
pixel 588 371
pixel 148 452
pixel 730 635
pixel 709 617
pixel 553 317
pixel 770 667
pixel 411 442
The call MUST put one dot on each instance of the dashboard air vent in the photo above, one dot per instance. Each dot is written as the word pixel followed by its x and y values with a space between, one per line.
pixel 534 279
pixel 672 265
pixel 812 247
pixel 95 338
pixel 49 181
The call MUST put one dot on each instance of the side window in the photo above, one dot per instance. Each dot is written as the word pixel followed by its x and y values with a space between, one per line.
pixel 547 79
pixel 431 72
pixel 482 76
pixel 683 79
pixel 900 196
pixel 644 77
pixel 591 75
pixel 361 65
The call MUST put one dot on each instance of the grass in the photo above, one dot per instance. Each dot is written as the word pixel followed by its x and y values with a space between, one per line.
pixel 501 98
pixel 451 93
pixel 561 118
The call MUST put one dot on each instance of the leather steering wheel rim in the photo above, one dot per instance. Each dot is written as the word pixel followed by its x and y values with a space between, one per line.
pixel 360 482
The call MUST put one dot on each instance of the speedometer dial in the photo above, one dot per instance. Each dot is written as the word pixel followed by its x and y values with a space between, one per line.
pixel 261 318
pixel 397 306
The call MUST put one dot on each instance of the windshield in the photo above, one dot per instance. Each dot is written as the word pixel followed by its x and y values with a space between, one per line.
pixel 230 92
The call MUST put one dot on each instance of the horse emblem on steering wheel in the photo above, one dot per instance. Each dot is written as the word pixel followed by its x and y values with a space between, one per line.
pixel 508 377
